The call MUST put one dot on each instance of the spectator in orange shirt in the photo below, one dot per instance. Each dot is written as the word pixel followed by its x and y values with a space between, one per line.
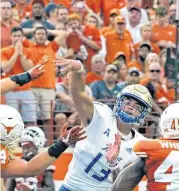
pixel 168 91
pixel 84 7
pixel 51 11
pixel 7 23
pixel 83 35
pixel 146 32
pixel 92 20
pixel 97 69
pixel 111 28
pixel 17 59
pixel 162 26
pixel 119 41
pixel 44 87
pixel 23 10
pixel 107 6
pixel 63 14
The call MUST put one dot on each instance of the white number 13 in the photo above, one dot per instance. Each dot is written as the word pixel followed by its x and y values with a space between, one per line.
pixel 160 174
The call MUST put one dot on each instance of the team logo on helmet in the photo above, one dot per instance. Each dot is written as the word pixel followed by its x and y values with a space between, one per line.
pixel 169 122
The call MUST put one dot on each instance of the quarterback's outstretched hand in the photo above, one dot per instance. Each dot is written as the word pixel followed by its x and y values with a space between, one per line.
pixel 113 150
pixel 73 135
pixel 68 64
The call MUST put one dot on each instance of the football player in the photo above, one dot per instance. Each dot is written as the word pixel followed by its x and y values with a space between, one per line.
pixel 32 140
pixel 158 158
pixel 89 169
pixel 11 128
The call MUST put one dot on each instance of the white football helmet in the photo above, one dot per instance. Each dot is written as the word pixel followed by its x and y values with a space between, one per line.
pixel 30 182
pixel 11 126
pixel 169 122
pixel 35 135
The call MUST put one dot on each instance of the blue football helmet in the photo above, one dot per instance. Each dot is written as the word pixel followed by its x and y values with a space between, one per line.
pixel 138 93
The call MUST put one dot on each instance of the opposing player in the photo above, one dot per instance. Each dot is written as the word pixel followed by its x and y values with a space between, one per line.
pixel 8 84
pixel 11 128
pixel 158 158
pixel 89 170
pixel 33 139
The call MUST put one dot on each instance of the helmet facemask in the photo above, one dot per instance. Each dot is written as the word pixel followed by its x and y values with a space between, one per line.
pixel 130 117
pixel 35 135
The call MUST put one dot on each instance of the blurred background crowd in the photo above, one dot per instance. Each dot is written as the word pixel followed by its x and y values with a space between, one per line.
pixel 120 42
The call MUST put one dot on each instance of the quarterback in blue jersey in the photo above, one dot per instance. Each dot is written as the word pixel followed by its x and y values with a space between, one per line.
pixel 90 169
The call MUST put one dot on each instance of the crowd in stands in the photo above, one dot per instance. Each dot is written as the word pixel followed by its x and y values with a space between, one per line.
pixel 120 42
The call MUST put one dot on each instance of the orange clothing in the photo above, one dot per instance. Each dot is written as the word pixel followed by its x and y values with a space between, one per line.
pixel 73 41
pixel 92 77
pixel 25 12
pixel 167 33
pixel 93 34
pixel 4 156
pixel 2 100
pixel 154 47
pixel 107 29
pixel 94 5
pixel 6 33
pixel 168 94
pixel 136 64
pixel 6 54
pixel 66 3
pixel 114 44
pixel 144 81
pixel 162 167
pixel 160 95
pixel 107 6
pixel 47 80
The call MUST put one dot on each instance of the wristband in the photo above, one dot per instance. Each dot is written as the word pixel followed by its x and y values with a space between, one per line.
pixel 21 79
pixel 114 165
pixel 57 148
